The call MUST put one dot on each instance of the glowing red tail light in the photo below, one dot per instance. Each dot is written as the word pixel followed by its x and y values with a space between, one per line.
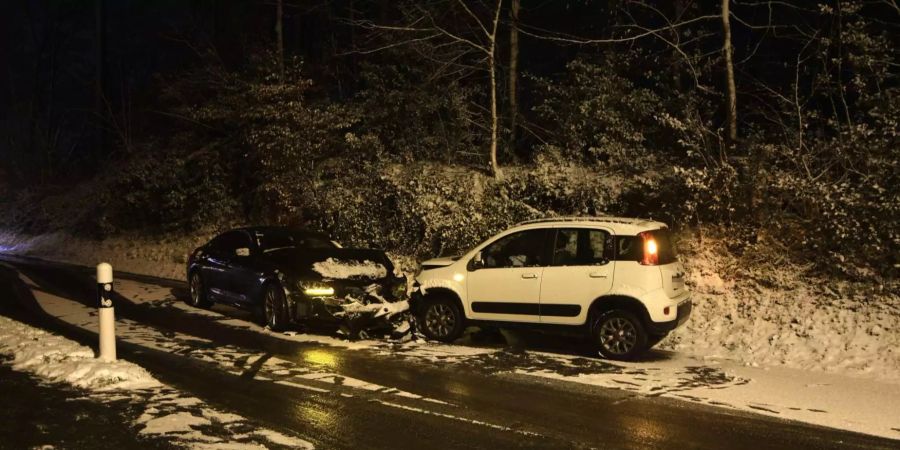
pixel 651 250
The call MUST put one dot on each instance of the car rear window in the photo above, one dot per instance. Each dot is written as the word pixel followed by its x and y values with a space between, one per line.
pixel 631 248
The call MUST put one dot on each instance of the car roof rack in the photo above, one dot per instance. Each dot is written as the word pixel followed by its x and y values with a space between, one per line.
pixel 607 219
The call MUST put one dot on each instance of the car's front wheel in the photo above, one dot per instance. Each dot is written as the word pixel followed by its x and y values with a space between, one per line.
pixel 618 334
pixel 274 308
pixel 199 297
pixel 441 319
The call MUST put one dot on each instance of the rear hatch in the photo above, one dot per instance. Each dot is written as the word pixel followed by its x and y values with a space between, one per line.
pixel 671 269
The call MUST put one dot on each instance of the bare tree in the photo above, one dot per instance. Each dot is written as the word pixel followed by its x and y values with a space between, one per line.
pixel 100 75
pixel 459 31
pixel 279 37
pixel 513 71
pixel 731 94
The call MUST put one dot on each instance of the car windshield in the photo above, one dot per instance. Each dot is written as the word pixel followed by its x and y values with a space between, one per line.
pixel 270 241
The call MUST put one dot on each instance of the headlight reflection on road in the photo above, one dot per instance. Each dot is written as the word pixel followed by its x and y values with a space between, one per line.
pixel 651 433
pixel 321 417
pixel 320 357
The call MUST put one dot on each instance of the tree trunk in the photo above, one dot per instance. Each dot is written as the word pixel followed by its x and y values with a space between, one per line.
pixel 513 73
pixel 492 68
pixel 100 76
pixel 729 74
pixel 495 168
pixel 279 37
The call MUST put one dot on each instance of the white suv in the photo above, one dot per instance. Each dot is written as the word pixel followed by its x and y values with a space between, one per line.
pixel 617 279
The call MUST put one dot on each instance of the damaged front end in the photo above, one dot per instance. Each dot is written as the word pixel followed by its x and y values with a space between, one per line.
pixel 362 298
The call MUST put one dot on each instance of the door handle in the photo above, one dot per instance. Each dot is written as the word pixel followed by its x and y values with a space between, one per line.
pixel 597 275
pixel 528 276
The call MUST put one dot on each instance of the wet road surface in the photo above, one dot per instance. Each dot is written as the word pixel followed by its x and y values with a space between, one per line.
pixel 481 402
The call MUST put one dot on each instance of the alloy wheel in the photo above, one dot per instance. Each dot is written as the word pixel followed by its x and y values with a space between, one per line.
pixel 618 335
pixel 196 290
pixel 271 305
pixel 440 320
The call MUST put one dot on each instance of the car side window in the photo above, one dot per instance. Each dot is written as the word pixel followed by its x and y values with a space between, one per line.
pixel 580 247
pixel 522 249
pixel 229 242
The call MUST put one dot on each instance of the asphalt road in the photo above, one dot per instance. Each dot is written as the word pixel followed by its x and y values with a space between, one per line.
pixel 486 405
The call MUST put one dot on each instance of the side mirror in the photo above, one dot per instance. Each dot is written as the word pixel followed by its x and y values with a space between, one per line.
pixel 243 251
pixel 476 263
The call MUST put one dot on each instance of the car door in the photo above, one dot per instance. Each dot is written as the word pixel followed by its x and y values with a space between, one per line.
pixel 243 276
pixel 580 271
pixel 216 257
pixel 506 285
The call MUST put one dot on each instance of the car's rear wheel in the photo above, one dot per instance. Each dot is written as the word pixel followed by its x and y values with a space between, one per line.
pixel 618 334
pixel 199 297
pixel 441 319
pixel 275 310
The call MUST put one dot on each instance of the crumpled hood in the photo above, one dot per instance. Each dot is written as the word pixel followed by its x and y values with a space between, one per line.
pixel 360 265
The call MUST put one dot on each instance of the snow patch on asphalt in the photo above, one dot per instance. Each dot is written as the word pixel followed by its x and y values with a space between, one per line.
pixel 849 403
pixel 235 360
pixel 183 420
pixel 57 359
pixel 161 297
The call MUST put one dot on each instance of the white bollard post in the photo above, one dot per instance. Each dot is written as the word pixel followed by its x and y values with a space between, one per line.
pixel 107 312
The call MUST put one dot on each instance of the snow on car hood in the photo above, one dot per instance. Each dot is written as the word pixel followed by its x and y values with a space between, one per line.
pixel 357 265
pixel 343 269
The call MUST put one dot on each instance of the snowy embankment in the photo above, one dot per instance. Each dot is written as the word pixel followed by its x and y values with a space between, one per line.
pixel 792 320
pixel 181 419
pixel 163 257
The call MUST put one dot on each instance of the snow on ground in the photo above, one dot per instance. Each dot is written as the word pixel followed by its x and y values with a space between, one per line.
pixel 183 420
pixel 847 402
pixel 162 297
pixel 857 404
pixel 316 376
pixel 163 257
pixel 850 403
pixel 791 320
pixel 60 360
pixel 777 318
pixel 795 321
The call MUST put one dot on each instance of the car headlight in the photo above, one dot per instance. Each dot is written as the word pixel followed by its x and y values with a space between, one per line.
pixel 319 291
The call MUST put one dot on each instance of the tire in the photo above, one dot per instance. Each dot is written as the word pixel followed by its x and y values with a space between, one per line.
pixel 199 297
pixel 618 335
pixel 274 308
pixel 441 319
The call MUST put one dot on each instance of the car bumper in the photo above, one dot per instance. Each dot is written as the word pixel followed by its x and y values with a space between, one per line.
pixel 683 313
